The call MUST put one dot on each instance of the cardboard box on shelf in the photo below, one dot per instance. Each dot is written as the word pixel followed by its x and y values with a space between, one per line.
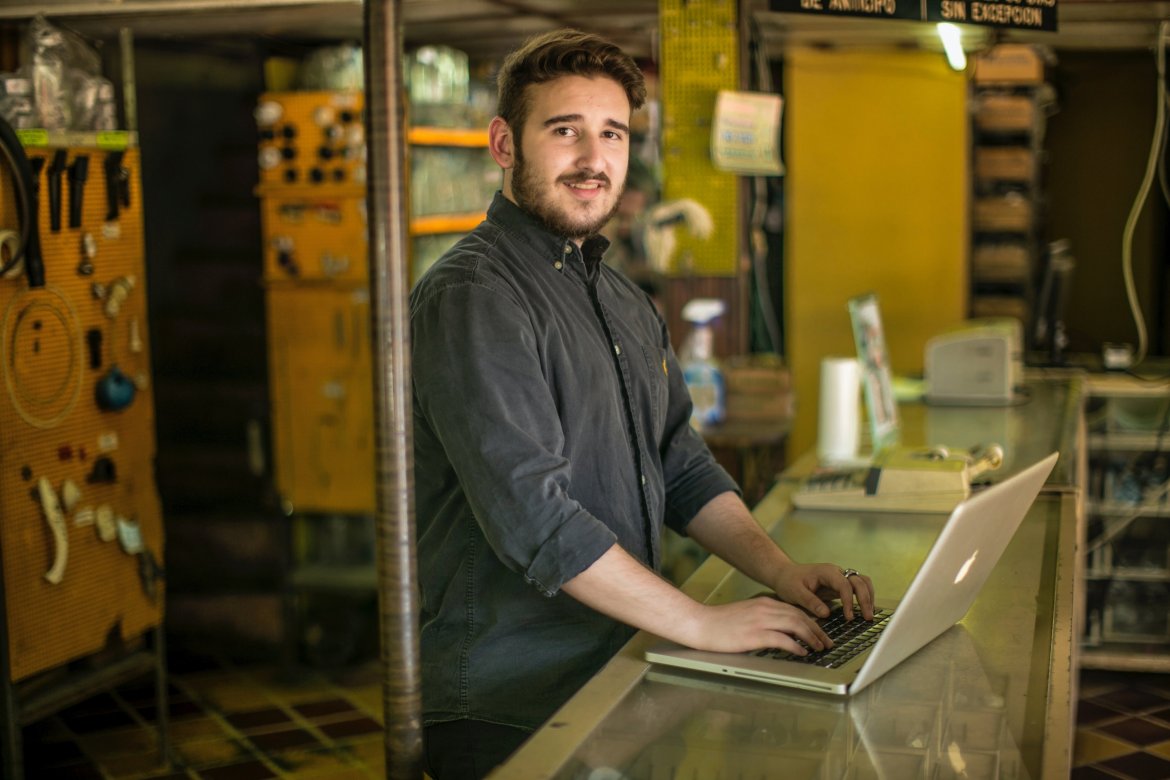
pixel 1005 163
pixel 1000 113
pixel 1000 306
pixel 1001 263
pixel 1004 213
pixel 1010 63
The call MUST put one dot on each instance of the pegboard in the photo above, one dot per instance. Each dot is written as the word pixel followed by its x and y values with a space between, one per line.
pixel 314 236
pixel 322 397
pixel 56 344
pixel 700 51
pixel 313 139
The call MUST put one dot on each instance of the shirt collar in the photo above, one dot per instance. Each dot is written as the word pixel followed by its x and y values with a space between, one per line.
pixel 550 246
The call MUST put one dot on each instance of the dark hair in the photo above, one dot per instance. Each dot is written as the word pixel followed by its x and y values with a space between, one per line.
pixel 560 53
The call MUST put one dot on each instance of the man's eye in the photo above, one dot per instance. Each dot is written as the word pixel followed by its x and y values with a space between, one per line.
pixel 563 131
pixel 613 135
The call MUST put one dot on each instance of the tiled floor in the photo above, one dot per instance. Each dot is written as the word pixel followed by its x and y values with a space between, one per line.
pixel 1123 727
pixel 231 722
pixel 228 722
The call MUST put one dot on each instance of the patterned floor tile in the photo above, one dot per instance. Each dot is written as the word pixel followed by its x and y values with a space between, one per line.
pixel 1090 712
pixel 1092 748
pixel 194 729
pixel 315 762
pixel 351 728
pixel 1132 699
pixel 138 765
pixel 1140 766
pixel 252 720
pixel 1139 731
pixel 245 770
pixel 323 707
pixel 210 752
pixel 276 741
pixel 119 742
pixel 1091 773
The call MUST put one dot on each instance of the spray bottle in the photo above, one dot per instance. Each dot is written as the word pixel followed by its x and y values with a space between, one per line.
pixel 700 371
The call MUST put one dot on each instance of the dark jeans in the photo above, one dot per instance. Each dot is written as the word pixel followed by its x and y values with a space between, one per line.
pixel 468 749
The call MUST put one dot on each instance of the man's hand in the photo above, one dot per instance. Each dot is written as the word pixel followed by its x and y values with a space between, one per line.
pixel 810 585
pixel 754 624
pixel 621 587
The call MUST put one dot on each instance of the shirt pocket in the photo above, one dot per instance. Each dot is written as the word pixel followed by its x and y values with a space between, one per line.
pixel 658 387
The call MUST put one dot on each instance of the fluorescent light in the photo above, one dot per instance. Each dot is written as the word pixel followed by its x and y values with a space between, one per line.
pixel 952 41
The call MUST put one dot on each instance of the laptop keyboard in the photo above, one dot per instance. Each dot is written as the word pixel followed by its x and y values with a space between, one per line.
pixel 850 638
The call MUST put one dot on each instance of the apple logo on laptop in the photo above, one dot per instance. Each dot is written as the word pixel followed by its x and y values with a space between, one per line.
pixel 966 567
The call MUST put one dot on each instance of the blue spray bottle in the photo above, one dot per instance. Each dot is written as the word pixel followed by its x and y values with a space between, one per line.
pixel 697 356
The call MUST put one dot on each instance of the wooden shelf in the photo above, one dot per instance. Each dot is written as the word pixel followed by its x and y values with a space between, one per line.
pixel 1130 575
pixel 1117 509
pixel 445 223
pixel 1126 658
pixel 1128 441
pixel 444 136
pixel 334 578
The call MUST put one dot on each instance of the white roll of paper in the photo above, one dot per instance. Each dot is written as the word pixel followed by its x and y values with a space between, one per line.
pixel 839 423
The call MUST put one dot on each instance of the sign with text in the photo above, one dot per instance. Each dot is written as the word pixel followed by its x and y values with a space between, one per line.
pixel 1018 14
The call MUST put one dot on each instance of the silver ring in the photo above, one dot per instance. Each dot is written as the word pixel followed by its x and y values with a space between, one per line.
pixel 847 573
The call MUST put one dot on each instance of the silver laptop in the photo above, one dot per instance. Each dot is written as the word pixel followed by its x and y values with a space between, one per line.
pixel 960 561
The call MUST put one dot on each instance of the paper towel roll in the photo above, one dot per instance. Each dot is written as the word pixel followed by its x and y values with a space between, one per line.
pixel 839 427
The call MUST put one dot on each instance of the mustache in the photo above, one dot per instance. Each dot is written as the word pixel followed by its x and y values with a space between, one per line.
pixel 584 176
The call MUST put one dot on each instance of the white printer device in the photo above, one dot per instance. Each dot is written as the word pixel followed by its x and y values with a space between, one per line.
pixel 978 363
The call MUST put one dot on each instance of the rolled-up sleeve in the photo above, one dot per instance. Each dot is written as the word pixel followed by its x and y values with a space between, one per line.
pixel 479 385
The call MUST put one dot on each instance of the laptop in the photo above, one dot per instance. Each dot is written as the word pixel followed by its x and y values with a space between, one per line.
pixel 958 564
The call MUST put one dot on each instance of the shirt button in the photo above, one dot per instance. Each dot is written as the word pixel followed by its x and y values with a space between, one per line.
pixel 558 265
pixel 617 349
pixel 643 480
pixel 568 249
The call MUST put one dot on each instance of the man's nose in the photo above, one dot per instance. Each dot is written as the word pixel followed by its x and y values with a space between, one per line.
pixel 590 155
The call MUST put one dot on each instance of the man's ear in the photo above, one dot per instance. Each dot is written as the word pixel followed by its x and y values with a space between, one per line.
pixel 500 143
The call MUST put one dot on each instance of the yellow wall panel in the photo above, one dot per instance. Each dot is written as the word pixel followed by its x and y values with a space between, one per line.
pixel 877 147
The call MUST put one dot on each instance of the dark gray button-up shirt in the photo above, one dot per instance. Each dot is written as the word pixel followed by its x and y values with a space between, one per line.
pixel 550 422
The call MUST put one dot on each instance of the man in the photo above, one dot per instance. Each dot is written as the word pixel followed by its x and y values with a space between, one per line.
pixel 552 437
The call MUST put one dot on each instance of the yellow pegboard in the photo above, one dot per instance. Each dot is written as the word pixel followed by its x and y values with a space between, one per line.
pixel 699 57
pixel 322 396
pixel 312 139
pixel 312 235
pixel 51 427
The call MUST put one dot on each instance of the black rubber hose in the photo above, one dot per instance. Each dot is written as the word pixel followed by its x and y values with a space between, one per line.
pixel 26 205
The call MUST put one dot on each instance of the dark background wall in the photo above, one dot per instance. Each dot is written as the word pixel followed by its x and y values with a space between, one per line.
pixel 1098 144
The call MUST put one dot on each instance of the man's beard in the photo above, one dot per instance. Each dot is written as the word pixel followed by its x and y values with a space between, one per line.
pixel 535 198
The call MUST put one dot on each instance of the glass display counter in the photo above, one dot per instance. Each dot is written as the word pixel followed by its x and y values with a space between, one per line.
pixel 991 697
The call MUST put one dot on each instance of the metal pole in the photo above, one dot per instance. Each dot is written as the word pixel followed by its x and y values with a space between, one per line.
pixel 386 202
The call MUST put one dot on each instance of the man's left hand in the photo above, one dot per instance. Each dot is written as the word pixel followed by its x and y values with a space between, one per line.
pixel 810 585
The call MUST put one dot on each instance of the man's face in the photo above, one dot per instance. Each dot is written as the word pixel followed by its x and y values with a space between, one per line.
pixel 570 162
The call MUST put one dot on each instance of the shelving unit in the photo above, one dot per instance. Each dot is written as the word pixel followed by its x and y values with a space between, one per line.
pixel 1009 99
pixel 452 180
pixel 1127 556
